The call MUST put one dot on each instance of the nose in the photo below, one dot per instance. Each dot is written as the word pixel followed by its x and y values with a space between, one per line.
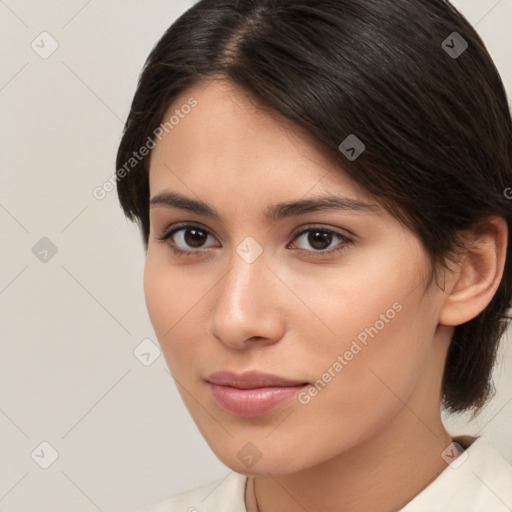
pixel 248 305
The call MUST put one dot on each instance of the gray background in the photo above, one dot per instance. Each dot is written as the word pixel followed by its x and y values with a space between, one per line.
pixel 72 320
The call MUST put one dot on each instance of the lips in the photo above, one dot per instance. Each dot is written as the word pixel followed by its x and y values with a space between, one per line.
pixel 251 394
pixel 251 380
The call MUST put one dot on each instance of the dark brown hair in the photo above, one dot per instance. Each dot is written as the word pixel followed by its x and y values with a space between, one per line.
pixel 432 114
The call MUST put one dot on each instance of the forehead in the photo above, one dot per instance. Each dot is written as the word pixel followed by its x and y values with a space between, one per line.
pixel 231 138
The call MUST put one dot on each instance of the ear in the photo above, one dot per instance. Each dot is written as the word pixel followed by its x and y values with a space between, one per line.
pixel 471 287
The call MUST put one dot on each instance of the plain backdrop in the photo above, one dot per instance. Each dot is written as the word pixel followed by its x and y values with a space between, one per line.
pixel 75 393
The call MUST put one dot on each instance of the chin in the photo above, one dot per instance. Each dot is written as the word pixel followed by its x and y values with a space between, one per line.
pixel 254 459
pixel 263 468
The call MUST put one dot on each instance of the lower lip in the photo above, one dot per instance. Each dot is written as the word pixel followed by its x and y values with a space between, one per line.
pixel 251 403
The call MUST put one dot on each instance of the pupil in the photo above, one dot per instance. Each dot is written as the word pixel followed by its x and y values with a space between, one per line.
pixel 196 239
pixel 319 242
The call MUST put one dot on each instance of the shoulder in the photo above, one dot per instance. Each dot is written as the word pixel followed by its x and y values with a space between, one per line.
pixel 226 494
pixel 480 480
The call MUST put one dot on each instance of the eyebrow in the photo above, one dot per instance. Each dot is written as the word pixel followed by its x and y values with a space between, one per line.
pixel 273 212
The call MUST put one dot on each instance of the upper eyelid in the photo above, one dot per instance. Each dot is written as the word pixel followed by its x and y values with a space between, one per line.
pixel 178 227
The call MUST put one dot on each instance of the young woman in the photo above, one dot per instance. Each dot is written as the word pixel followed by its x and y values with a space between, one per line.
pixel 323 191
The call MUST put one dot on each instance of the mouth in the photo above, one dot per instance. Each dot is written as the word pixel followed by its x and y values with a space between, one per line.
pixel 252 394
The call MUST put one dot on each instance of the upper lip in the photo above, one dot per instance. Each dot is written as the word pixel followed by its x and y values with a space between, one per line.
pixel 250 380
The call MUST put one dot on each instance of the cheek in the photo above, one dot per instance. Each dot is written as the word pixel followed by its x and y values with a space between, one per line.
pixel 365 293
pixel 158 295
pixel 371 336
pixel 355 397
pixel 173 301
pixel 166 299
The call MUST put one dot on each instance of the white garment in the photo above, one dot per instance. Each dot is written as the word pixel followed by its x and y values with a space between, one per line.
pixel 481 483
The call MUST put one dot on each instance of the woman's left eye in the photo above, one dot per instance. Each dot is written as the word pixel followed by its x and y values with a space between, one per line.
pixel 184 237
pixel 321 239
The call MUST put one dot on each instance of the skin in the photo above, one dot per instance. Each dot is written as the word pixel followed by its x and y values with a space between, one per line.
pixel 357 444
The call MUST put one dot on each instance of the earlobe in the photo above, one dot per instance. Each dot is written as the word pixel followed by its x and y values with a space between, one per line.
pixel 471 287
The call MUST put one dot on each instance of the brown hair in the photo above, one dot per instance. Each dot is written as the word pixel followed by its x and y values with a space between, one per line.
pixel 432 113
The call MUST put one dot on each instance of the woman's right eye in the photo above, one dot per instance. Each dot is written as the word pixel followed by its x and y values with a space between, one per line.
pixel 183 236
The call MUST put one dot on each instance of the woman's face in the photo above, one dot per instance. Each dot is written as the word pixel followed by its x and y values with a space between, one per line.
pixel 330 299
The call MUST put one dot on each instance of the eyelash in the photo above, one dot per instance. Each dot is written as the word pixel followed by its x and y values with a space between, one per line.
pixel 169 233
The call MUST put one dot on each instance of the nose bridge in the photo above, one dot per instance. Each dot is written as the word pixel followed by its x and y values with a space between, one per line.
pixel 243 307
pixel 245 281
